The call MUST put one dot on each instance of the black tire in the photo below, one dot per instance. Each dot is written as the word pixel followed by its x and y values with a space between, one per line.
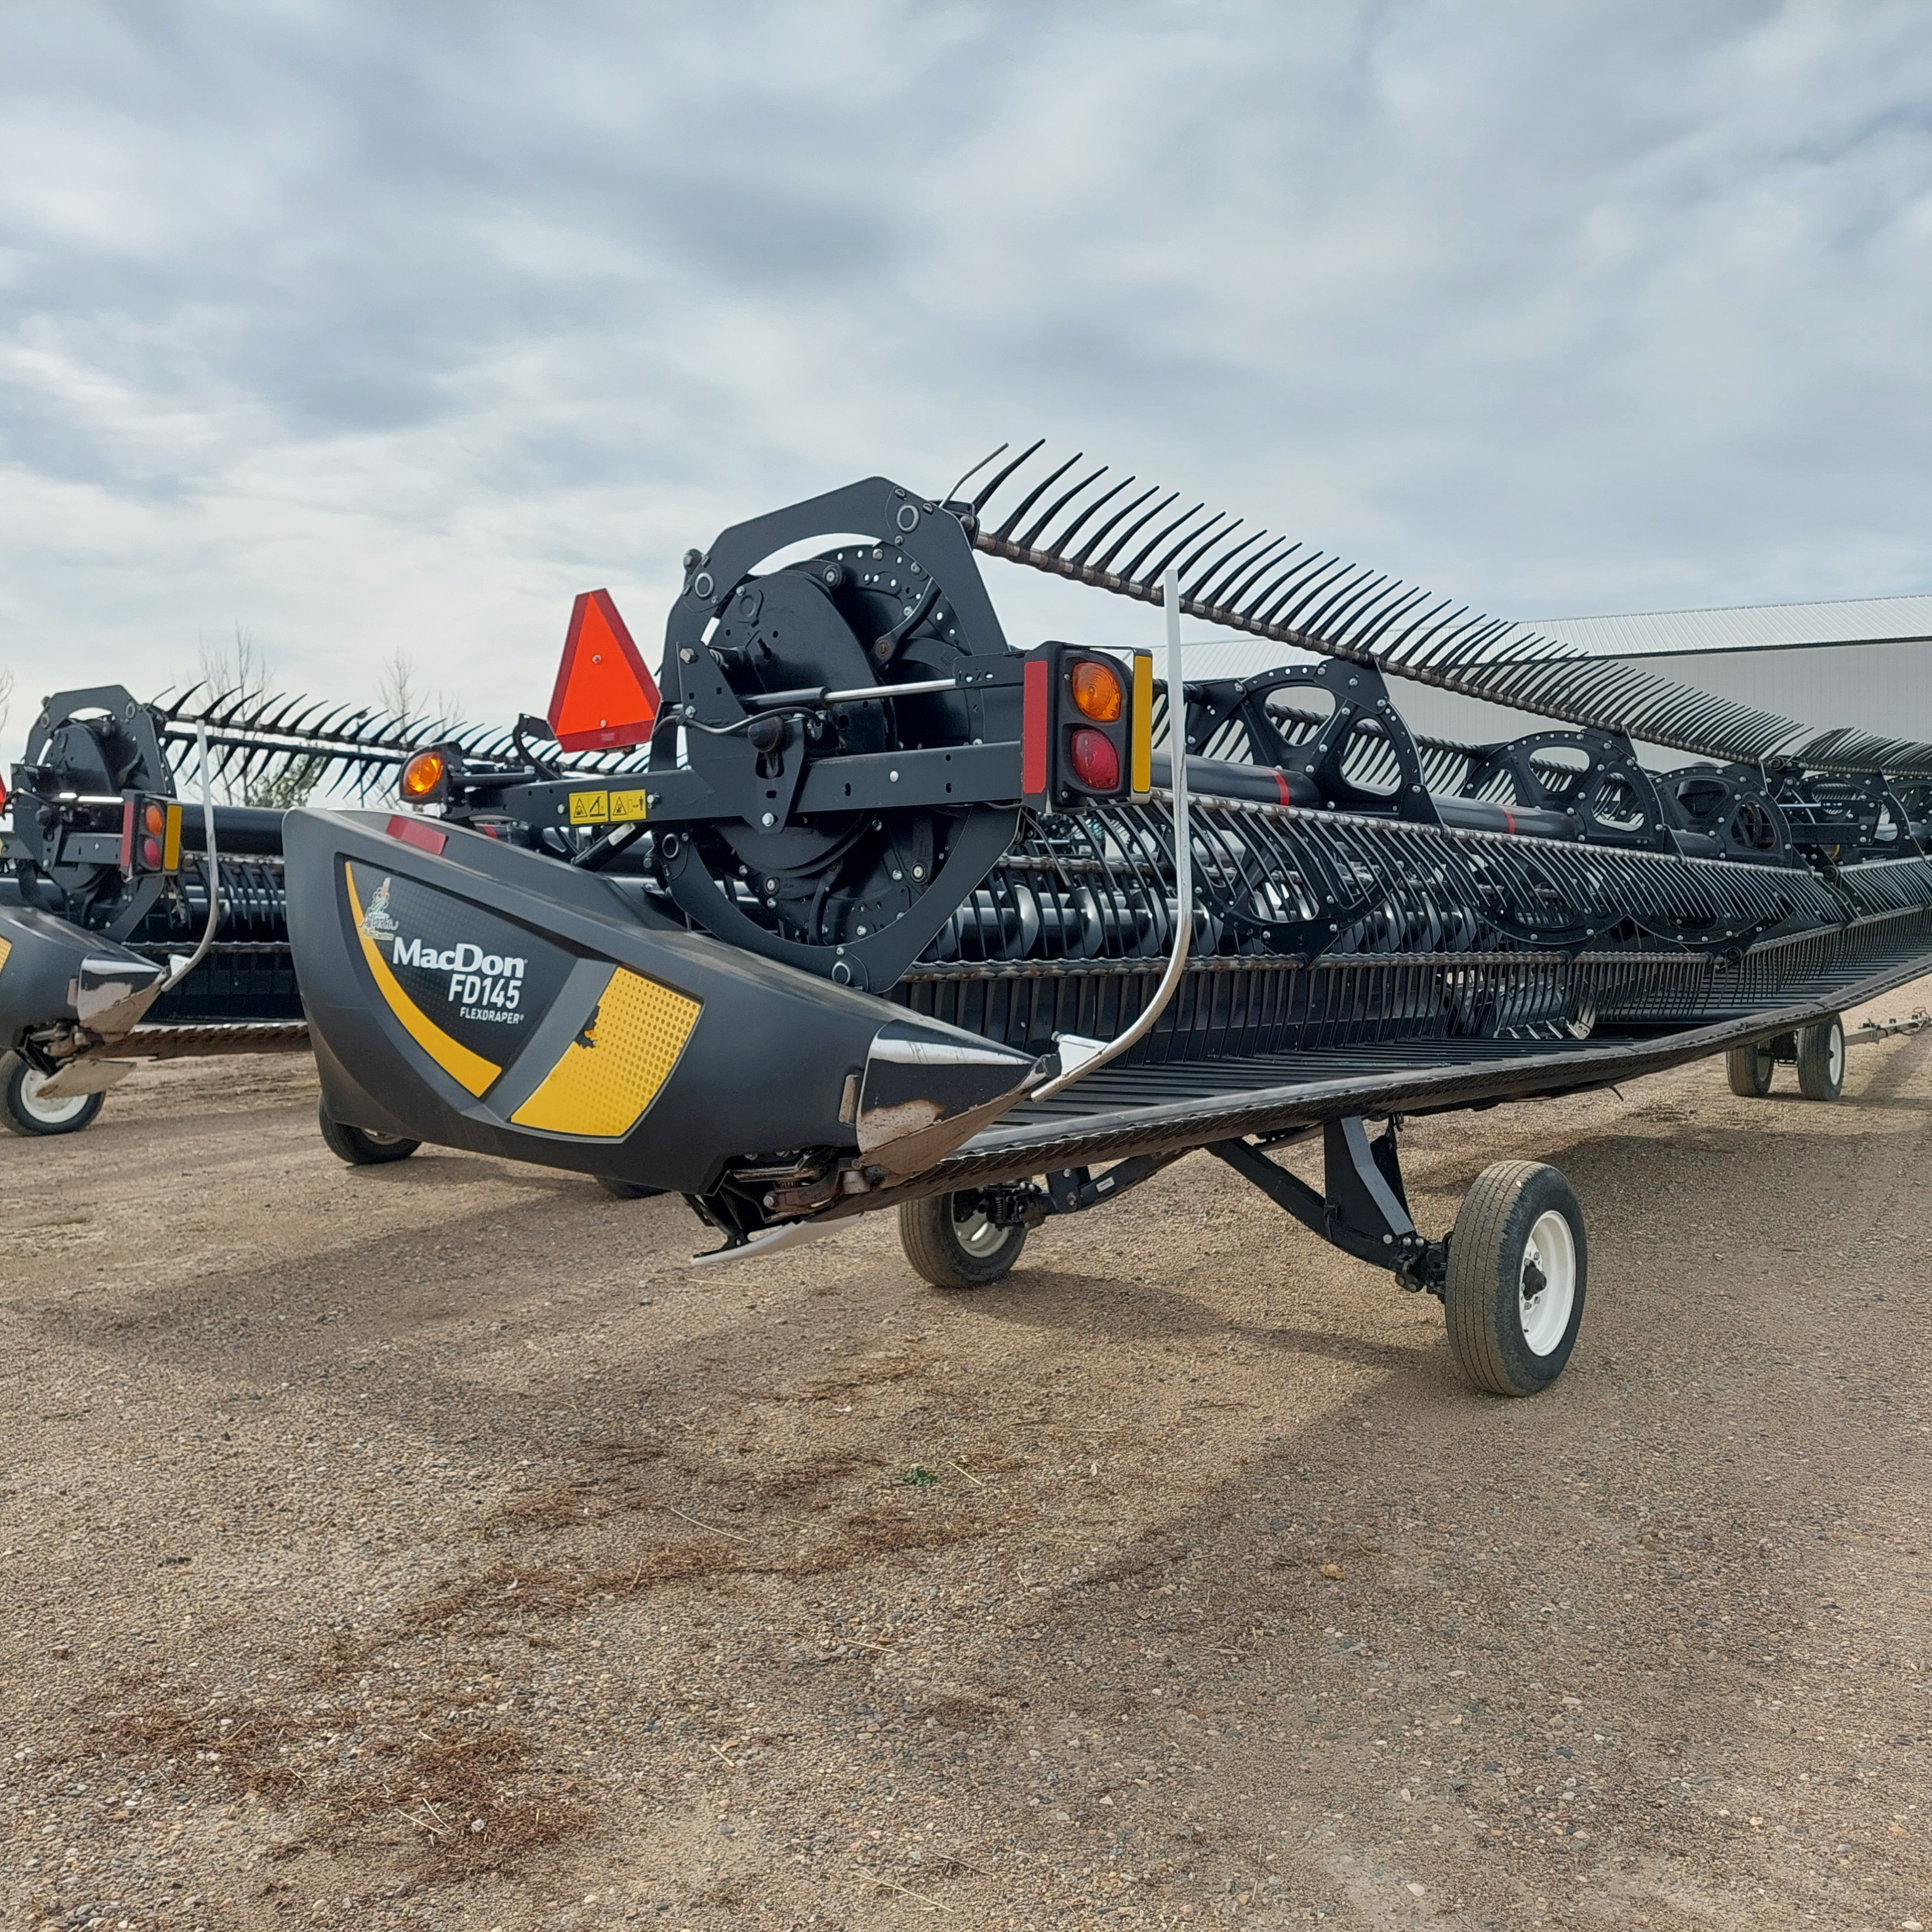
pixel 22 1112
pixel 1821 1059
pixel 626 1190
pixel 361 1147
pixel 1749 1068
pixel 951 1244
pixel 1504 1339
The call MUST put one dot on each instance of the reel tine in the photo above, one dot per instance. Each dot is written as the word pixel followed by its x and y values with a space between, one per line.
pixel 1072 530
pixel 1032 536
pixel 1239 596
pixel 952 495
pixel 1033 496
pixel 1370 625
pixel 1315 588
pixel 1160 570
pixel 1131 572
pixel 1351 626
pixel 1127 536
pixel 1320 621
pixel 1226 593
pixel 1399 653
pixel 1440 659
pixel 1266 610
pixel 1313 600
pixel 1226 567
pixel 1126 510
pixel 1214 543
pixel 980 501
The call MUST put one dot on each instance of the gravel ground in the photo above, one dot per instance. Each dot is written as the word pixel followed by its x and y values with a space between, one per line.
pixel 427 1545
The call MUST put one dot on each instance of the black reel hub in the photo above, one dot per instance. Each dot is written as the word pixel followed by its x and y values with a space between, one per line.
pixel 748 661
pixel 85 748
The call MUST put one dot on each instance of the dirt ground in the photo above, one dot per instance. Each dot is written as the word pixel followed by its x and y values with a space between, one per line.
pixel 428 1545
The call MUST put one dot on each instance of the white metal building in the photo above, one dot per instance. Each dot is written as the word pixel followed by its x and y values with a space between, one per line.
pixel 1865 662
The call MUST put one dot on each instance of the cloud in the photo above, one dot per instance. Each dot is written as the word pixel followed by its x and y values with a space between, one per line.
pixel 371 328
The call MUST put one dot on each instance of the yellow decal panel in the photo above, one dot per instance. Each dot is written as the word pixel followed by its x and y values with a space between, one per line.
pixel 606 808
pixel 6 947
pixel 1142 751
pixel 614 1068
pixel 171 840
pixel 468 1070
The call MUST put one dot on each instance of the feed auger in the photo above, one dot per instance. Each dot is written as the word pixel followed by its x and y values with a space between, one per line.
pixel 883 911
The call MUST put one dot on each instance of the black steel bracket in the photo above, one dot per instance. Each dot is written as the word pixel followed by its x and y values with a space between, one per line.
pixel 1071 1190
pixel 1363 709
pixel 1362 1208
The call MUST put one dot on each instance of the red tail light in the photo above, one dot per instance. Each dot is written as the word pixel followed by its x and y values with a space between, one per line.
pixel 1095 761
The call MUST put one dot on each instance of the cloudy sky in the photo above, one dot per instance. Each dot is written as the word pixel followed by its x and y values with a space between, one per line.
pixel 371 329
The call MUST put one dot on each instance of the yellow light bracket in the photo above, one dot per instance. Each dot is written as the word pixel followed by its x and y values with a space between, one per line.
pixel 1141 762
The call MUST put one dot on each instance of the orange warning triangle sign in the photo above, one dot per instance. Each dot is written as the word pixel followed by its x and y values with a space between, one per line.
pixel 605 696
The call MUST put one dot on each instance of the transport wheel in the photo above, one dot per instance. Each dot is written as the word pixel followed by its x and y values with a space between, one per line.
pixel 23 1112
pixel 362 1146
pixel 953 1243
pixel 1518 1263
pixel 626 1190
pixel 1821 1059
pixel 1749 1068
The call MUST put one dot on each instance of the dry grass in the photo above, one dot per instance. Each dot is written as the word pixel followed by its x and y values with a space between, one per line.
pixel 458 1787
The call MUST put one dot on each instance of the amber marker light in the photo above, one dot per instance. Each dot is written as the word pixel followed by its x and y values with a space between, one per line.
pixel 422 775
pixel 1097 692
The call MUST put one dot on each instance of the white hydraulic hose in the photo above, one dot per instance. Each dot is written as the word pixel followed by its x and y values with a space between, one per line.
pixel 1183 869
pixel 200 953
pixel 1092 1053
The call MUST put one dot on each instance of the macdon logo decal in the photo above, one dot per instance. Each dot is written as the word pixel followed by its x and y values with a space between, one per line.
pixel 483 985
pixel 376 923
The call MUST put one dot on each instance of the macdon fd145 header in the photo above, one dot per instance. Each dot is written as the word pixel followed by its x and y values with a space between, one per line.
pixel 885 912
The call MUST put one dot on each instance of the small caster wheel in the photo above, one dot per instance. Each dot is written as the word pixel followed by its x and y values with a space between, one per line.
pixel 1518 1264
pixel 626 1190
pixel 23 1112
pixel 1749 1068
pixel 1821 1059
pixel 952 1242
pixel 362 1146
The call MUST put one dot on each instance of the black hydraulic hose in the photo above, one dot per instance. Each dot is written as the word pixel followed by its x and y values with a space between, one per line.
pixel 240 830
pixel 1266 784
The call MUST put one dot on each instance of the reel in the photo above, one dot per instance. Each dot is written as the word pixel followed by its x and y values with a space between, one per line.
pixel 87 748
pixel 765 674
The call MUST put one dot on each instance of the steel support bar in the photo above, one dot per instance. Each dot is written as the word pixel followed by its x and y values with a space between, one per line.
pixel 1071 1190
pixel 1360 1209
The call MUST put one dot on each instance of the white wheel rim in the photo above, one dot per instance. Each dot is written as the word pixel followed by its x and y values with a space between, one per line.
pixel 1549 1256
pixel 979 1235
pixel 49 1113
pixel 1834 1056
